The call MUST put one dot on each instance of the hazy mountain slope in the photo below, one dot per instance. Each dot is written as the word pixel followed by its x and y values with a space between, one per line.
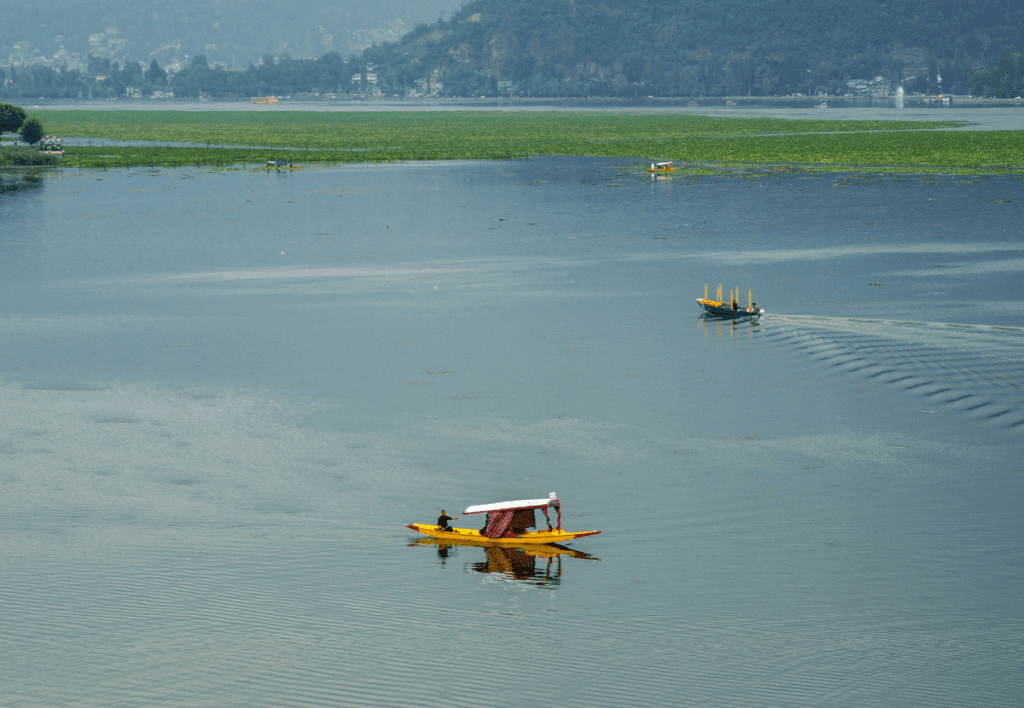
pixel 233 32
pixel 571 47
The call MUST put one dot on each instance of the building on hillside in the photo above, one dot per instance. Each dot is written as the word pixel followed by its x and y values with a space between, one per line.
pixel 878 86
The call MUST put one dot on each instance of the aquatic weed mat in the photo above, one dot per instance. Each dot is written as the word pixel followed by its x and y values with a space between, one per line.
pixel 21 179
pixel 114 157
pixel 947 152
pixel 696 142
pixel 21 156
pixel 372 130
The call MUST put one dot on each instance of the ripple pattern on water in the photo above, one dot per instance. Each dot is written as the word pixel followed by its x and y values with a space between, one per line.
pixel 976 370
pixel 307 625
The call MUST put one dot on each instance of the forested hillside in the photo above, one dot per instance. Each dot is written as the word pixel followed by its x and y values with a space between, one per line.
pixel 699 47
pixel 533 48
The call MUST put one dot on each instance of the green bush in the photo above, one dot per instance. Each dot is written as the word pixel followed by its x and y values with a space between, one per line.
pixel 11 118
pixel 32 131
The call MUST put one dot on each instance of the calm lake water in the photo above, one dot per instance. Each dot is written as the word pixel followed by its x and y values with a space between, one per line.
pixel 224 394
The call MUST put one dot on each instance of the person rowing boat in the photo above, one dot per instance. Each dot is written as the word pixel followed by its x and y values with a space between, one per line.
pixel 443 519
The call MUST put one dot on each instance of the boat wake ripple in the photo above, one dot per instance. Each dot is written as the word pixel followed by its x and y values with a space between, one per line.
pixel 977 370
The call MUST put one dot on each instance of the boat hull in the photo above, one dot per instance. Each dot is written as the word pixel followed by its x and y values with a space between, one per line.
pixel 719 309
pixel 473 536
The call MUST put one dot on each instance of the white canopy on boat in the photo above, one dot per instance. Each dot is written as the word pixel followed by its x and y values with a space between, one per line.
pixel 552 500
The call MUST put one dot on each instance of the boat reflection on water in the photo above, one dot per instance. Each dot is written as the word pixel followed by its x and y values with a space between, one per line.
pixel 535 564
pixel 734 326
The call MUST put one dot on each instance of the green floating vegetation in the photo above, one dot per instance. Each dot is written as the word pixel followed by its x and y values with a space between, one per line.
pixel 975 149
pixel 128 157
pixel 26 157
pixel 706 144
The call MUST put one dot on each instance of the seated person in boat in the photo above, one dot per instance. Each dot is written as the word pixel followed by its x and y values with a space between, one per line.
pixel 443 520
pixel 734 305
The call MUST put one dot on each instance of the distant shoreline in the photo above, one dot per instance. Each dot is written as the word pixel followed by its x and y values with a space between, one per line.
pixel 309 102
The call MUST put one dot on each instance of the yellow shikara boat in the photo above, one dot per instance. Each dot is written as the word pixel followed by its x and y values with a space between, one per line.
pixel 508 524
pixel 661 167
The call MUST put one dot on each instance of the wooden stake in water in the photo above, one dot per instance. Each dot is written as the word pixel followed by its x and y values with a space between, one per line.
pixel 750 299
pixel 705 291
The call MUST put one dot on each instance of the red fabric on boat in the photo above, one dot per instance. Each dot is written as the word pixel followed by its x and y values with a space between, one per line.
pixel 498 523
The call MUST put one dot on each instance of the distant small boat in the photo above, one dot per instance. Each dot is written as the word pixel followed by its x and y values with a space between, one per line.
pixel 822 105
pixel 730 308
pixel 51 145
pixel 721 309
pixel 661 167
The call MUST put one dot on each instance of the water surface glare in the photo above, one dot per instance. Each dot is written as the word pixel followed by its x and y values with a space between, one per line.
pixel 224 394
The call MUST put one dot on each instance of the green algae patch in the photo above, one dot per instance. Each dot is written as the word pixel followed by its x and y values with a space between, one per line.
pixel 26 157
pixel 699 143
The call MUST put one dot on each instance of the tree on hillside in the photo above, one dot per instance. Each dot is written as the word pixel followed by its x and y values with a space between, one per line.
pixel 1004 80
pixel 132 74
pixel 11 118
pixel 156 75
pixel 32 131
pixel 98 66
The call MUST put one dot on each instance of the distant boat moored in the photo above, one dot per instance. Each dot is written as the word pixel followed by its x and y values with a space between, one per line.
pixel 52 145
